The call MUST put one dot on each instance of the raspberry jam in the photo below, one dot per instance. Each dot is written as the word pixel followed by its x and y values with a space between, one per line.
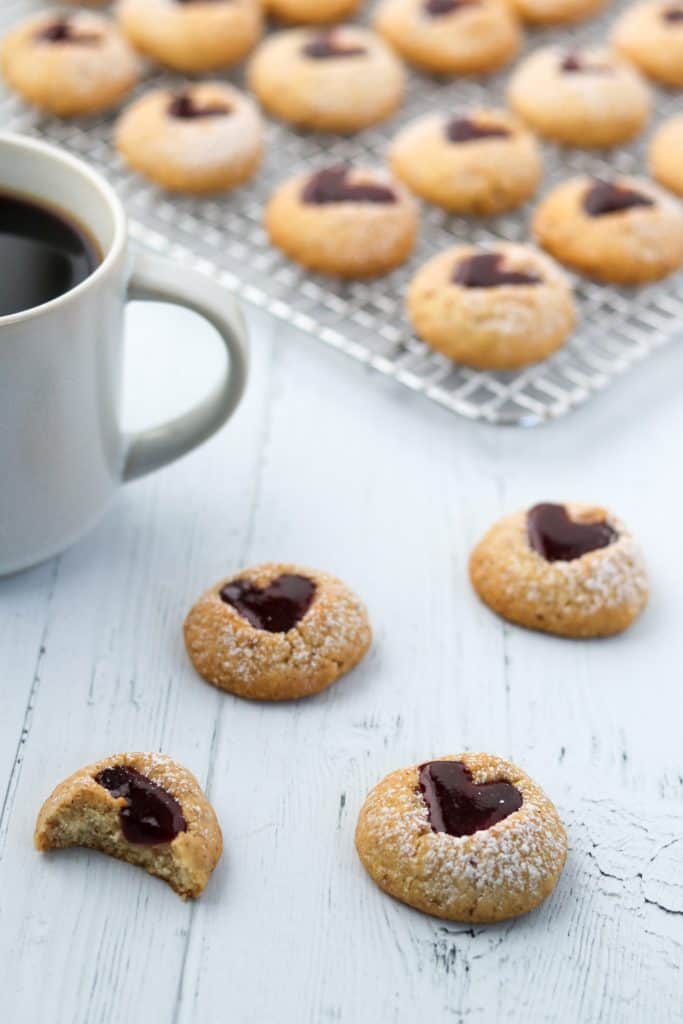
pixel 276 608
pixel 151 815
pixel 557 538
pixel 460 806
pixel 463 129
pixel 332 185
pixel 485 270
pixel 606 197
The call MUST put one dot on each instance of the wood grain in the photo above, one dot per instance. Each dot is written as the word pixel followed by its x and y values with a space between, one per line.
pixel 327 466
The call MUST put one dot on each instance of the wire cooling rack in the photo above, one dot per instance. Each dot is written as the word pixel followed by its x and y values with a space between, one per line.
pixel 224 237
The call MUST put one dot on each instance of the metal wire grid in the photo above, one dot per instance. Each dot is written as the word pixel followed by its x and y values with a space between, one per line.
pixel 224 237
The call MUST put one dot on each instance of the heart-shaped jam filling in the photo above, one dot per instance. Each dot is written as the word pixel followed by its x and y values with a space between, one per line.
pixel 327 45
pixel 485 270
pixel 63 31
pixel 458 805
pixel 437 8
pixel 332 185
pixel 151 815
pixel 184 107
pixel 462 129
pixel 276 608
pixel 577 62
pixel 557 538
pixel 605 197
pixel 673 14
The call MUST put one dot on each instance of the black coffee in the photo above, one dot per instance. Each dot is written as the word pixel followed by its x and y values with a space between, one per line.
pixel 42 254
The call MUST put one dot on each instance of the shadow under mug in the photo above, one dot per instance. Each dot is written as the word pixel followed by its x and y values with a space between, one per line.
pixel 63 454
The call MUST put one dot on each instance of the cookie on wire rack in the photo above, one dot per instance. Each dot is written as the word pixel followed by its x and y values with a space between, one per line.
pixel 353 222
pixel 621 230
pixel 69 64
pixel 202 138
pixel 556 12
pixel 666 154
pixel 493 308
pixel 586 98
pixel 192 37
pixel 451 37
pixel 338 80
pixel 312 12
pixel 651 36
pixel 480 162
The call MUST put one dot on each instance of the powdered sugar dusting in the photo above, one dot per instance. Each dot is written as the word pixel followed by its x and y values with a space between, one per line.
pixel 196 143
pixel 515 862
pixel 327 640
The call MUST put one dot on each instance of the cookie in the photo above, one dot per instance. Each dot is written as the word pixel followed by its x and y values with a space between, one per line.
pixel 311 12
pixel 497 308
pixel 69 64
pixel 141 808
pixel 354 223
pixel 625 231
pixel 200 139
pixel 573 570
pixel 651 35
pixel 555 12
pixel 204 35
pixel 469 837
pixel 478 162
pixel 277 632
pixel 341 80
pixel 666 154
pixel 450 37
pixel 588 98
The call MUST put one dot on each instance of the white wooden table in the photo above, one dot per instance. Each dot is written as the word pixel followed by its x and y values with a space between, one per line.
pixel 330 466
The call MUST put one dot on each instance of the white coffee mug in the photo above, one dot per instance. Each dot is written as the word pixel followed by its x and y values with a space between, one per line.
pixel 63 454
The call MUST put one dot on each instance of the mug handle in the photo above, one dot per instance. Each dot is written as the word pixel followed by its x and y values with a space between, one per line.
pixel 157 280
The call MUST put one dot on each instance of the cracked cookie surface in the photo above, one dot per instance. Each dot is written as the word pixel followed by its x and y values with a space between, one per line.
pixel 70 64
pixel 277 632
pixel 192 37
pixel 489 875
pixel 142 808
pixel 595 592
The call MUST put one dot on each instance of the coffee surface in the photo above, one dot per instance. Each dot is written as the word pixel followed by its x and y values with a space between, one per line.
pixel 42 254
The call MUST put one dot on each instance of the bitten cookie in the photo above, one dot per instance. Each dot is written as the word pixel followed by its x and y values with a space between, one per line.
pixel 666 154
pixel 312 12
pixel 201 139
pixel 573 570
pixel 555 12
pixel 451 37
pixel 496 308
pixel 350 222
pixel 479 162
pixel 469 837
pixel 69 64
pixel 204 35
pixel 651 35
pixel 626 231
pixel 341 80
pixel 141 808
pixel 580 98
pixel 277 632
